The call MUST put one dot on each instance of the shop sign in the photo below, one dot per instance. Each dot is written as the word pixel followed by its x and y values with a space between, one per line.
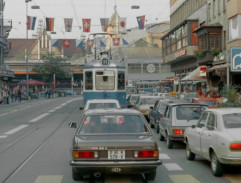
pixel 175 79
pixel 236 59
pixel 151 68
pixel 203 71
pixel 180 53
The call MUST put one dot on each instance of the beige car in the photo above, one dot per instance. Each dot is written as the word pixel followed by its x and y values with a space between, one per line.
pixel 216 137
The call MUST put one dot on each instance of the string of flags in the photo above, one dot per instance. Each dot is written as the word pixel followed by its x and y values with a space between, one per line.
pixel 86 23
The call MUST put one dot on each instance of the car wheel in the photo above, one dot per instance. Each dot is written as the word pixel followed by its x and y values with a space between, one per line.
pixel 169 143
pixel 216 166
pixel 151 175
pixel 189 154
pixel 76 175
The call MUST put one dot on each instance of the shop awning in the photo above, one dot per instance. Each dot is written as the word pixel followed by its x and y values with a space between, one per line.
pixel 217 67
pixel 194 76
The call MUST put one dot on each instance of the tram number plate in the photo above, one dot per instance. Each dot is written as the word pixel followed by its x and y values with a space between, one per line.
pixel 116 154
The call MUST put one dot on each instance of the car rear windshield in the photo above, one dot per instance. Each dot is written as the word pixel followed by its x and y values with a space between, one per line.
pixel 121 124
pixel 102 105
pixel 189 112
pixel 232 120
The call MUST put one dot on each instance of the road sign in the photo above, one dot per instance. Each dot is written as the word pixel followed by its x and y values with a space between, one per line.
pixel 236 59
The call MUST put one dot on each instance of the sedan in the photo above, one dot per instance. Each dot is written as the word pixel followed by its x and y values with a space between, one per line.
pixel 113 141
pixel 217 138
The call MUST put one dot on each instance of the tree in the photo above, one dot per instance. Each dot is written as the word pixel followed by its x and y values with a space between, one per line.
pixel 52 65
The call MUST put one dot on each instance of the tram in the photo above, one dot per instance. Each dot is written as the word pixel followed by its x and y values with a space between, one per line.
pixel 104 78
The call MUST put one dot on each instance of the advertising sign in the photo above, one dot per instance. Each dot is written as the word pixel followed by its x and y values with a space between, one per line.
pixel 236 59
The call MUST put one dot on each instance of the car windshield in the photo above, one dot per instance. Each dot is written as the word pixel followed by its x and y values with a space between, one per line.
pixel 102 105
pixel 189 112
pixel 232 120
pixel 208 102
pixel 134 99
pixel 119 124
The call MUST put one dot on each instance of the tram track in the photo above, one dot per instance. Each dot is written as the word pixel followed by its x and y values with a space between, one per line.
pixel 20 165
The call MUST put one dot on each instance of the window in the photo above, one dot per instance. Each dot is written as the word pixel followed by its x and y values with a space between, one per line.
pixel 232 120
pixel 134 68
pixel 201 42
pixel 224 40
pixel 214 41
pixel 88 80
pixel 105 80
pixel 202 121
pixel 234 28
pixel 211 124
pixel 214 8
pixel 121 80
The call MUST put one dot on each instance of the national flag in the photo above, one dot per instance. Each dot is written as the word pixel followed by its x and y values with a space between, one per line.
pixel 66 43
pixel 102 44
pixel 90 43
pixel 86 25
pixel 122 24
pixel 49 24
pixel 141 21
pixel 116 41
pixel 54 42
pixel 68 24
pixel 31 22
pixel 80 44
pixel 124 42
pixel 104 24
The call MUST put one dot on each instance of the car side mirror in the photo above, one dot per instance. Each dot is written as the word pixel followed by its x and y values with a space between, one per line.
pixel 73 125
pixel 193 126
pixel 81 108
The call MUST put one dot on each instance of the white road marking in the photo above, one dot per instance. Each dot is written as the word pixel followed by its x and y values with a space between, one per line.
pixel 52 111
pixel 172 166
pixel 15 130
pixel 49 179
pixel 58 107
pixel 39 117
pixel 164 156
pixel 3 136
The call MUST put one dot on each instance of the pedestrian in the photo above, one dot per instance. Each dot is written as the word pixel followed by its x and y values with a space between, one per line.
pixel 19 94
pixel 199 92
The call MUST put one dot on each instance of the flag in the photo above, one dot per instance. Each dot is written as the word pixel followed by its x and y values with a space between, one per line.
pixel 116 41
pixel 86 25
pixel 122 24
pixel 141 21
pixel 68 24
pixel 49 24
pixel 90 43
pixel 102 44
pixel 80 44
pixel 124 42
pixel 31 22
pixel 104 24
pixel 66 43
pixel 54 42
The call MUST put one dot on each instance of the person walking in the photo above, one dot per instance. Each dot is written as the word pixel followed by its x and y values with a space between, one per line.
pixel 19 95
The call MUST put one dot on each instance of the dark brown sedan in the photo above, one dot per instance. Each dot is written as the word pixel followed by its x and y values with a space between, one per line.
pixel 116 141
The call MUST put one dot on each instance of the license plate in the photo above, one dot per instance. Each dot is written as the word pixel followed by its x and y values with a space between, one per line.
pixel 116 154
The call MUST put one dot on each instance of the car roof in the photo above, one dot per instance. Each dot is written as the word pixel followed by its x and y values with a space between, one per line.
pixel 102 101
pixel 225 110
pixel 111 111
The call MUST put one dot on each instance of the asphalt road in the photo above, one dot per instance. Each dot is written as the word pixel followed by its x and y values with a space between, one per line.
pixel 35 140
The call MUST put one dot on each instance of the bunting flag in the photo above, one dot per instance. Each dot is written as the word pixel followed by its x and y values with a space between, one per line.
pixel 104 24
pixel 86 25
pixel 102 44
pixel 31 22
pixel 49 24
pixel 80 44
pixel 124 42
pixel 68 24
pixel 122 24
pixel 141 21
pixel 54 42
pixel 116 41
pixel 90 43
pixel 66 43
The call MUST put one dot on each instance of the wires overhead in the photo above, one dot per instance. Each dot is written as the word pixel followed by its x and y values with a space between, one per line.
pixel 75 13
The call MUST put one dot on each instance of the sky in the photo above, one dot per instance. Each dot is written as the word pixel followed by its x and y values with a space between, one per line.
pixel 155 11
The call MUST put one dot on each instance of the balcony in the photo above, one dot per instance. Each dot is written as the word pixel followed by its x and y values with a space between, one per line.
pixel 204 57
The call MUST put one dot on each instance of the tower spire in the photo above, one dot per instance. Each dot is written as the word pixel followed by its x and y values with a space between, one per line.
pixel 115 7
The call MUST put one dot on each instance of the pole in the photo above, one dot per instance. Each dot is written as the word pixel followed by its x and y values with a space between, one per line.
pixel 228 72
pixel 1 33
pixel 72 83
pixel 27 73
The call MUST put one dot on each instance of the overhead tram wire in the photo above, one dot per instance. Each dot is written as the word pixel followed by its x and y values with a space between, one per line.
pixel 75 13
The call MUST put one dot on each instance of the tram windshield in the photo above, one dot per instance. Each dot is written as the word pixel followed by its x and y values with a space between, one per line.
pixel 105 80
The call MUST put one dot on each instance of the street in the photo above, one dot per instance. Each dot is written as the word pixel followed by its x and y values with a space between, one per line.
pixel 35 148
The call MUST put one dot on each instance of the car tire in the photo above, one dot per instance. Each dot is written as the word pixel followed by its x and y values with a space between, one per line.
pixel 169 142
pixel 216 166
pixel 76 175
pixel 151 175
pixel 189 154
pixel 162 138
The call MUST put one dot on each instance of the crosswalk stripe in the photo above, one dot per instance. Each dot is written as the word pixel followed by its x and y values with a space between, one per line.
pixel 172 166
pixel 10 132
pixel 183 179
pixel 49 179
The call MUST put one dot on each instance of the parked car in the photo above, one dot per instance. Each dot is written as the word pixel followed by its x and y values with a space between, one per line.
pixel 113 141
pixel 211 102
pixel 101 104
pixel 177 117
pixel 217 138
pixel 143 104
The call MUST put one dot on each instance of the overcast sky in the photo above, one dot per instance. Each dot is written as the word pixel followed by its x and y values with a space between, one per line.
pixel 155 11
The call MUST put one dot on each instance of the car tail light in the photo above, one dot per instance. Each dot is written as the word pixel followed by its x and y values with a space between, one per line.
pixel 146 154
pixel 143 111
pixel 84 154
pixel 177 131
pixel 235 146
